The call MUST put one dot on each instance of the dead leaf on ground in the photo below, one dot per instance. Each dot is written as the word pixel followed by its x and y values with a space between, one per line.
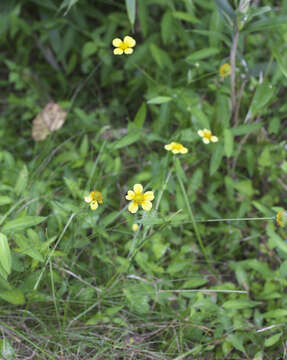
pixel 50 119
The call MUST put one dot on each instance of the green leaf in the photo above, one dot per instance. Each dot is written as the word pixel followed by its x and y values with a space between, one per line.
pixel 15 296
pixel 22 223
pixel 5 254
pixel 131 10
pixel 246 129
pixel 276 240
pixel 159 100
pixel 84 148
pixel 167 28
pixel 237 341
pixel 239 304
pixel 90 48
pixel 140 116
pixel 272 340
pixel 202 54
pixel 5 200
pixel 22 180
pixel 277 313
pixel 127 140
pixel 180 15
pixel 216 158
pixel 27 247
pixel 228 142
pixel 263 94
pixel 137 299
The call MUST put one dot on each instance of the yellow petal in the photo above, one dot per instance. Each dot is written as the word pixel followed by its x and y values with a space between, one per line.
pixel 167 147
pixel 206 141
pixel 184 150
pixel 88 199
pixel 117 42
pixel 149 195
pixel 94 205
pixel 214 138
pixel 129 41
pixel 128 51
pixel 138 189
pixel 146 205
pixel 175 151
pixel 133 207
pixel 130 195
pixel 200 133
pixel 118 51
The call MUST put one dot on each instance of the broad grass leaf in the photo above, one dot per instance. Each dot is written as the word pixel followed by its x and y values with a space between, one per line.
pixel 167 27
pixel 15 296
pixel 50 119
pixel 143 16
pixel 5 254
pixel 22 223
pixel 228 142
pixel 216 158
pixel 202 54
pixel 131 10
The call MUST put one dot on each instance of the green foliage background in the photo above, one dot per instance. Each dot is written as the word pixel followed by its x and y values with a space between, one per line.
pixel 77 284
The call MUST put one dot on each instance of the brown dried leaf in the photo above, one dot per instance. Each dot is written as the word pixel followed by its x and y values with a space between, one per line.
pixel 51 118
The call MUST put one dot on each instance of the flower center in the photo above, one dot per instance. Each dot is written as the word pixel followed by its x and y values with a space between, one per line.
pixel 176 146
pixel 124 46
pixel 207 135
pixel 97 196
pixel 139 198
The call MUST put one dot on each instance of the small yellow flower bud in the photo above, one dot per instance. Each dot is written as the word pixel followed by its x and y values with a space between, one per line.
pixel 135 227
pixel 281 218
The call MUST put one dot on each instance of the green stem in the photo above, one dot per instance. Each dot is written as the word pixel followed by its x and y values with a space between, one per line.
pixel 190 213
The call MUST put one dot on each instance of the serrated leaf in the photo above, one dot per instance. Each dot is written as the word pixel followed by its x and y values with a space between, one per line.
pixel 5 254
pixel 22 223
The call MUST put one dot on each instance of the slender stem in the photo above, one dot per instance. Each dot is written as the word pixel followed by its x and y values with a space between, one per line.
pixel 233 69
pixel 234 219
pixel 190 213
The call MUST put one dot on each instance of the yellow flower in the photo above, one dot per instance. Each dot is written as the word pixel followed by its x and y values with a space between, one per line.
pixel 281 218
pixel 94 198
pixel 125 46
pixel 207 136
pixel 139 198
pixel 224 70
pixel 135 227
pixel 176 148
